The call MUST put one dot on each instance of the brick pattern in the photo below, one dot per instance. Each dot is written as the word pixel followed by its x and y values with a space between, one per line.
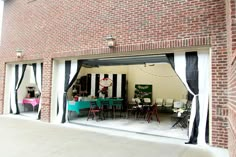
pixel 65 28
pixel 231 48
pixel 46 89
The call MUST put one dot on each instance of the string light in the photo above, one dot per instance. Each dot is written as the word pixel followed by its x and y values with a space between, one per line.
pixel 145 71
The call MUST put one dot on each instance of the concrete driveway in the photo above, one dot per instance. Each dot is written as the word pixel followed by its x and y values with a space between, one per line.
pixel 20 137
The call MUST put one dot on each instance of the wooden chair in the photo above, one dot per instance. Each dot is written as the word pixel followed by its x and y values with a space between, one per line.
pixel 94 111
pixel 151 112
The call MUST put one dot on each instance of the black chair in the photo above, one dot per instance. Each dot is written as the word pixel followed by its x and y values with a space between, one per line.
pixel 132 108
pixel 181 120
pixel 105 107
pixel 117 106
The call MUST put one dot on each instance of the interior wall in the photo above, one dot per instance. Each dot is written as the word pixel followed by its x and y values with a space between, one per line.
pixel 162 77
pixel 165 83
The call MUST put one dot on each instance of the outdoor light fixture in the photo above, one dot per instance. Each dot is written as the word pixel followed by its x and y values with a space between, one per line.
pixel 111 41
pixel 19 53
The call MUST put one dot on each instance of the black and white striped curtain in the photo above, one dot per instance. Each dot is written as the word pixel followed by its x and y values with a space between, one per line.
pixel 116 90
pixel 69 71
pixel 19 71
pixel 193 70
pixel 38 71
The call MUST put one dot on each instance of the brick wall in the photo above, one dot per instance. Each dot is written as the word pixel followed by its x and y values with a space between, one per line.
pixel 66 28
pixel 231 48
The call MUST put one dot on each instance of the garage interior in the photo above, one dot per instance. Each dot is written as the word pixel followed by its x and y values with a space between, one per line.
pixel 152 70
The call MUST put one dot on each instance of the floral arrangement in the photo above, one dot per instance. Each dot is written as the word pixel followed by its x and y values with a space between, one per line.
pixel 104 90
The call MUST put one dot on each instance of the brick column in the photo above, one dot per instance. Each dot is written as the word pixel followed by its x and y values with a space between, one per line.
pixel 46 89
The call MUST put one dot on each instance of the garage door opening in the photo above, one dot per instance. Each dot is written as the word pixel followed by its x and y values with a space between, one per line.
pixel 144 77
pixel 23 96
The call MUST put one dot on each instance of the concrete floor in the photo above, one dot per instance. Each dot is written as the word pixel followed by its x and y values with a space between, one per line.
pixel 28 138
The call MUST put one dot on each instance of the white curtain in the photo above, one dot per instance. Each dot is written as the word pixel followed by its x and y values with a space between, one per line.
pixel 13 102
pixel 60 90
pixel 12 92
pixel 203 85
pixel 39 84
pixel 73 70
pixel 60 86
pixel 180 68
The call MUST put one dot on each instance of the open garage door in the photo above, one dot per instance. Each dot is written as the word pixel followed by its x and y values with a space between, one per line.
pixel 196 123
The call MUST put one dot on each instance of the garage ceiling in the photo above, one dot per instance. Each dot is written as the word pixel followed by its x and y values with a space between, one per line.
pixel 131 60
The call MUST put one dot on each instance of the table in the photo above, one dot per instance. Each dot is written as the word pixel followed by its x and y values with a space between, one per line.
pixel 32 101
pixel 76 106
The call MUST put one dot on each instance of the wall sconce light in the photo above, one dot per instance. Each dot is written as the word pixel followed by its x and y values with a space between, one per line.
pixel 19 53
pixel 111 41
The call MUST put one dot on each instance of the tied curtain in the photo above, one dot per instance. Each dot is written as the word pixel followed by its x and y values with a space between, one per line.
pixel 193 70
pixel 69 71
pixel 38 71
pixel 18 75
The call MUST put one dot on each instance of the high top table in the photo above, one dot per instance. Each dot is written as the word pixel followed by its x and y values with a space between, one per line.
pixel 32 101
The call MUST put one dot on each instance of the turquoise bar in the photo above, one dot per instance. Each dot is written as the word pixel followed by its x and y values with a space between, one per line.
pixel 76 106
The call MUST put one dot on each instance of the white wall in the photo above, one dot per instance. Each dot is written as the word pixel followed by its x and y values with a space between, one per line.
pixel 165 83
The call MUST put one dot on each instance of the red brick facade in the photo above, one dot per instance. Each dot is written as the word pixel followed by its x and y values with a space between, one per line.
pixel 231 46
pixel 66 28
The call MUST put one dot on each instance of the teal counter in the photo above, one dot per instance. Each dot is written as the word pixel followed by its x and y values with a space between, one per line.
pixel 76 106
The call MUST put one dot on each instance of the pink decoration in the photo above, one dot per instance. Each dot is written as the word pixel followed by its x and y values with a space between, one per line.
pixel 32 101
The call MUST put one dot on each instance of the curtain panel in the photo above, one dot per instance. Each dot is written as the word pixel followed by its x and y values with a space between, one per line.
pixel 193 70
pixel 19 71
pixel 38 70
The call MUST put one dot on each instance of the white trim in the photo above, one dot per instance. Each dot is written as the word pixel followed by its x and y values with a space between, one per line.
pixel 53 112
pixel 9 78
pixel 210 96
